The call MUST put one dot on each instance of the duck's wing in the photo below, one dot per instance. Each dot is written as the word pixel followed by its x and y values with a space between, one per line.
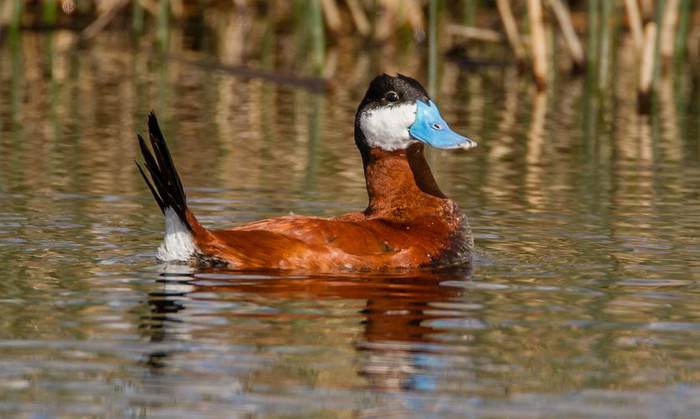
pixel 308 243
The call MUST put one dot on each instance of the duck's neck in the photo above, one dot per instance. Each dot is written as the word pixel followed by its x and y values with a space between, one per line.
pixel 400 179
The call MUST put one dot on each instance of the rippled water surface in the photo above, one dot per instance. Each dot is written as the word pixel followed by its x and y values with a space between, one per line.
pixel 583 300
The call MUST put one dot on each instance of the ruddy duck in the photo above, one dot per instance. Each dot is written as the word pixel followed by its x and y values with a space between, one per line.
pixel 408 224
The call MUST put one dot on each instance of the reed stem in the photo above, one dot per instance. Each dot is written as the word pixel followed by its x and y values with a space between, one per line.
pixel 163 24
pixel 634 17
pixel 681 41
pixel 604 44
pixel 16 17
pixel 469 12
pixel 647 71
pixel 331 15
pixel 317 34
pixel 432 46
pixel 137 17
pixel 561 11
pixel 659 17
pixel 668 29
pixel 592 44
pixel 511 27
pixel 539 44
pixel 49 12
pixel 359 18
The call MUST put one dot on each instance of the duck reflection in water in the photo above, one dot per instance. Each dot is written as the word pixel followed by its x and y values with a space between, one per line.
pixel 396 315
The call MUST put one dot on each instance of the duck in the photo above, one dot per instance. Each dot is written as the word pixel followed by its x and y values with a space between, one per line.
pixel 408 224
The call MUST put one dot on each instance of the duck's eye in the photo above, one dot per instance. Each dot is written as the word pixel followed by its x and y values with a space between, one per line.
pixel 392 97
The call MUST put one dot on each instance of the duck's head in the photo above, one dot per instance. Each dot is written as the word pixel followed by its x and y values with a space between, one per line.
pixel 397 112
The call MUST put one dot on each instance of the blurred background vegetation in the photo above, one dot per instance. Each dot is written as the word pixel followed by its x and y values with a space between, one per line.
pixel 252 38
pixel 586 209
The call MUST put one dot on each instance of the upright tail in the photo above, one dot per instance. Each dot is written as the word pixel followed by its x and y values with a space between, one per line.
pixel 166 187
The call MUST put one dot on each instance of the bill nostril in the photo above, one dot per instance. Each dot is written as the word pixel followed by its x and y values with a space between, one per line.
pixel 437 126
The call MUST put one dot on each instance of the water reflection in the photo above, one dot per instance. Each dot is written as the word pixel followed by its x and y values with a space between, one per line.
pixel 586 215
pixel 393 315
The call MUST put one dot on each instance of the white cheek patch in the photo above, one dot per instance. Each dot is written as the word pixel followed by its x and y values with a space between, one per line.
pixel 387 127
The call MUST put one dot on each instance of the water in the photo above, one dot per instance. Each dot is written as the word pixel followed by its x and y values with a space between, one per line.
pixel 583 300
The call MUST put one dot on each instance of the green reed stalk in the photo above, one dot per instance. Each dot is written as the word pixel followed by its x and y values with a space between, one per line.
pixel 618 12
pixel 590 98
pixel 49 18
pixel 300 32
pixel 593 32
pixel 49 12
pixel 659 16
pixel 432 46
pixel 604 44
pixel 137 17
pixel 681 41
pixel 469 12
pixel 16 18
pixel 163 23
pixel 318 39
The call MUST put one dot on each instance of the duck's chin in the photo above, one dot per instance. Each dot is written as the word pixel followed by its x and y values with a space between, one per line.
pixel 411 145
pixel 387 127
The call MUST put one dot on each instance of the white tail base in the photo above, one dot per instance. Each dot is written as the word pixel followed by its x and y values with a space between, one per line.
pixel 178 244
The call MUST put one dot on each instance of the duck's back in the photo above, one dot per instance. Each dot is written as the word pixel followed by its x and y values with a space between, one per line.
pixel 353 241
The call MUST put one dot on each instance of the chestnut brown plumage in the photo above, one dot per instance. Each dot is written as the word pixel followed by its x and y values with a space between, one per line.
pixel 409 223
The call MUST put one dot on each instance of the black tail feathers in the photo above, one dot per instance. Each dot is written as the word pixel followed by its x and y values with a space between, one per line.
pixel 165 183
